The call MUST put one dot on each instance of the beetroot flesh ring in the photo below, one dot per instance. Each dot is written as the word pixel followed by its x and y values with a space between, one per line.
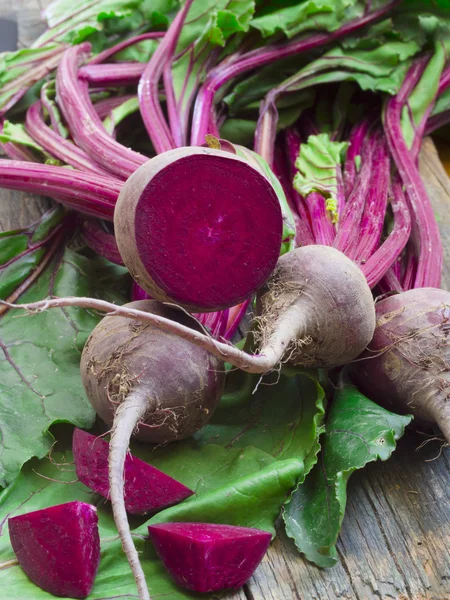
pixel 58 547
pixel 199 227
pixel 146 489
pixel 207 557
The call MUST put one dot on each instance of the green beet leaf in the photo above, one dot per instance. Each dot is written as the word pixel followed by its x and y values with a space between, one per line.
pixel 292 18
pixel 252 501
pixel 283 418
pixel 40 353
pixel 357 432
pixel 318 164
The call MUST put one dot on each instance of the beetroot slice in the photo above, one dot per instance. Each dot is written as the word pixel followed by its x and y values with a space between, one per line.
pixel 207 557
pixel 199 227
pixel 58 547
pixel 146 489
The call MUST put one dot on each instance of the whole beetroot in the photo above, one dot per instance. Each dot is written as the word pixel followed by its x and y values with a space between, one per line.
pixel 406 367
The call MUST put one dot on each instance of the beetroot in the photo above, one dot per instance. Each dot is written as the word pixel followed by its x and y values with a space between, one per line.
pixel 151 385
pixel 316 310
pixel 199 227
pixel 406 367
pixel 146 489
pixel 58 547
pixel 207 557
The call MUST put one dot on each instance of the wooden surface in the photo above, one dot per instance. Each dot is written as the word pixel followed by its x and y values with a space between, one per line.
pixel 395 539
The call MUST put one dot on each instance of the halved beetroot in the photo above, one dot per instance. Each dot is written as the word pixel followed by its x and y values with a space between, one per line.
pixel 58 547
pixel 146 489
pixel 199 227
pixel 207 557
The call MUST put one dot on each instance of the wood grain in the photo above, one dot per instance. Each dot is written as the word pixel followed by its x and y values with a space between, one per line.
pixel 395 537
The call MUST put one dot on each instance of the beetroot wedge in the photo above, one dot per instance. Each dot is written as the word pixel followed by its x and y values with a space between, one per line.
pixel 58 547
pixel 199 227
pixel 206 557
pixel 146 489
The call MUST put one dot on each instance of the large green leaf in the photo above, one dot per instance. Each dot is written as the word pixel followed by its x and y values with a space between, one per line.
pixel 357 432
pixel 40 353
pixel 292 17
pixel 283 418
pixel 252 501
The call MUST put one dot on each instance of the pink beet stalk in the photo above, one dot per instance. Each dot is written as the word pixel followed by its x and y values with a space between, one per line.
pixel 376 203
pixel 113 74
pixel 356 141
pixel 281 168
pixel 348 232
pixel 84 123
pixel 293 147
pixel 101 241
pixel 425 269
pixel 148 92
pixel 323 229
pixel 109 52
pixel 55 144
pixel 90 194
pixel 379 264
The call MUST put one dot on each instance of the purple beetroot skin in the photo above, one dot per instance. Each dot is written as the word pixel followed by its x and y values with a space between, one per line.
pixel 206 557
pixel 58 547
pixel 146 489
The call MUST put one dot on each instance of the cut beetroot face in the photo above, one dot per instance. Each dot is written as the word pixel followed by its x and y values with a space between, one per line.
pixel 58 547
pixel 199 227
pixel 207 557
pixel 146 489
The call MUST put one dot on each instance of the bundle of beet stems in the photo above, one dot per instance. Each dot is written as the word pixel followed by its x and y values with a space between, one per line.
pixel 148 139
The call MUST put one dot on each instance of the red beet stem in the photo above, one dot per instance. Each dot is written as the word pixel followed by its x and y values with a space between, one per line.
pixel 425 266
pixel 90 194
pixel 148 92
pixel 58 146
pixel 85 126
pixel 113 74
